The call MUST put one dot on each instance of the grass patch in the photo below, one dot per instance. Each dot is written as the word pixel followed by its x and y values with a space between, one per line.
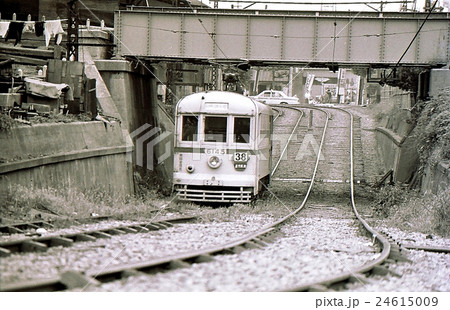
pixel 411 211
pixel 62 118
pixel 24 204
pixel 6 123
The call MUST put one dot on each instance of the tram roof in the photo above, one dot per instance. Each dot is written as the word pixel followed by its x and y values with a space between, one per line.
pixel 221 102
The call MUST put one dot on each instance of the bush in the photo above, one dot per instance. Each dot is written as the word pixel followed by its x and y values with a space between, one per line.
pixel 6 123
pixel 410 211
pixel 432 131
pixel 388 199
pixel 427 214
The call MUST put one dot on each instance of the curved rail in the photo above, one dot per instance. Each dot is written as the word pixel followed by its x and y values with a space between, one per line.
pixel 255 239
pixel 279 113
pixel 380 239
pixel 289 139
pixel 316 165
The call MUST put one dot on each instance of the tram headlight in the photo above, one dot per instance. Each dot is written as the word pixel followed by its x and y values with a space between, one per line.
pixel 214 162
pixel 190 168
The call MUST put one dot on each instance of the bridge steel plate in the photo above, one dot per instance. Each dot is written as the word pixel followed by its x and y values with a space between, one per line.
pixel 281 37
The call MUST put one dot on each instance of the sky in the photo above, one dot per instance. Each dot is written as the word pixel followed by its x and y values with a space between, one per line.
pixel 323 6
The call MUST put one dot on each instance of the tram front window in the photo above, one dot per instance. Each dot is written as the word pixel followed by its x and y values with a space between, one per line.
pixel 241 130
pixel 215 129
pixel 189 130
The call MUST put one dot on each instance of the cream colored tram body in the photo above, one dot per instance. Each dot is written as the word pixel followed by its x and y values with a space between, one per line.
pixel 223 147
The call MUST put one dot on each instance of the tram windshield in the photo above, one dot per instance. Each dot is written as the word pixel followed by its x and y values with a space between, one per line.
pixel 215 129
pixel 189 130
pixel 241 130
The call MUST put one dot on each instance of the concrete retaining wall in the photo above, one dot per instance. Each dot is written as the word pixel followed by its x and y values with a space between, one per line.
pixel 133 89
pixel 395 148
pixel 397 153
pixel 75 156
pixel 439 79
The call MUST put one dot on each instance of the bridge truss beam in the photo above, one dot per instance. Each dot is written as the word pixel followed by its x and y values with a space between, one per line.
pixel 283 38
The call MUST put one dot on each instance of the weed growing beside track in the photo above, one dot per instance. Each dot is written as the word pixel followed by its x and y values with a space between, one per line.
pixel 411 211
pixel 397 206
pixel 26 204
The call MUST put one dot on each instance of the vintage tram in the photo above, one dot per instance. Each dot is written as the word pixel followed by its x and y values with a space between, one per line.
pixel 223 147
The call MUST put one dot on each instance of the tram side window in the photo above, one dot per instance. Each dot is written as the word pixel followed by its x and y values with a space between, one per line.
pixel 241 130
pixel 215 129
pixel 189 130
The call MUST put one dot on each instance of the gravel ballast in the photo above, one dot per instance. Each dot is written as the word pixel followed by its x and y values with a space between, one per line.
pixel 322 241
pixel 305 253
pixel 123 248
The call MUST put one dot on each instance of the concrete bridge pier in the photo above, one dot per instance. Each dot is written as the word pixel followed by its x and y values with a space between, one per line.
pixel 133 87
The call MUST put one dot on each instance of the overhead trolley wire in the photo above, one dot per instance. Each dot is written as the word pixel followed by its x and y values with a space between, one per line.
pixel 315 3
pixel 413 39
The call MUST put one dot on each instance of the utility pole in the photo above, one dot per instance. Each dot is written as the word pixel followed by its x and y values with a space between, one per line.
pixel 72 31
pixel 404 7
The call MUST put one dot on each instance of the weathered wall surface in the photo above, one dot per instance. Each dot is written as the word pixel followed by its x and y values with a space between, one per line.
pixel 387 148
pixel 436 179
pixel 439 79
pixel 395 147
pixel 133 89
pixel 397 152
pixel 76 156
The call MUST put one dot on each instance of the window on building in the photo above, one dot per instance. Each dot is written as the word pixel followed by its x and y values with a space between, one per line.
pixel 215 129
pixel 190 128
pixel 241 130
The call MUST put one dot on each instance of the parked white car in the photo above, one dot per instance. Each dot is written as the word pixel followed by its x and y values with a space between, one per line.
pixel 275 97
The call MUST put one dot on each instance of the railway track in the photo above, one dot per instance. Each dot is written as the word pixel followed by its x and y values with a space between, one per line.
pixel 261 238
pixel 71 280
pixel 43 243
pixel 359 273
pixel 59 221
pixel 344 176
pixel 288 137
pixel 21 228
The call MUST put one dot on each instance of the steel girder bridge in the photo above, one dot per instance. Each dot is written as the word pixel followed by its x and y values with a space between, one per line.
pixel 290 38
